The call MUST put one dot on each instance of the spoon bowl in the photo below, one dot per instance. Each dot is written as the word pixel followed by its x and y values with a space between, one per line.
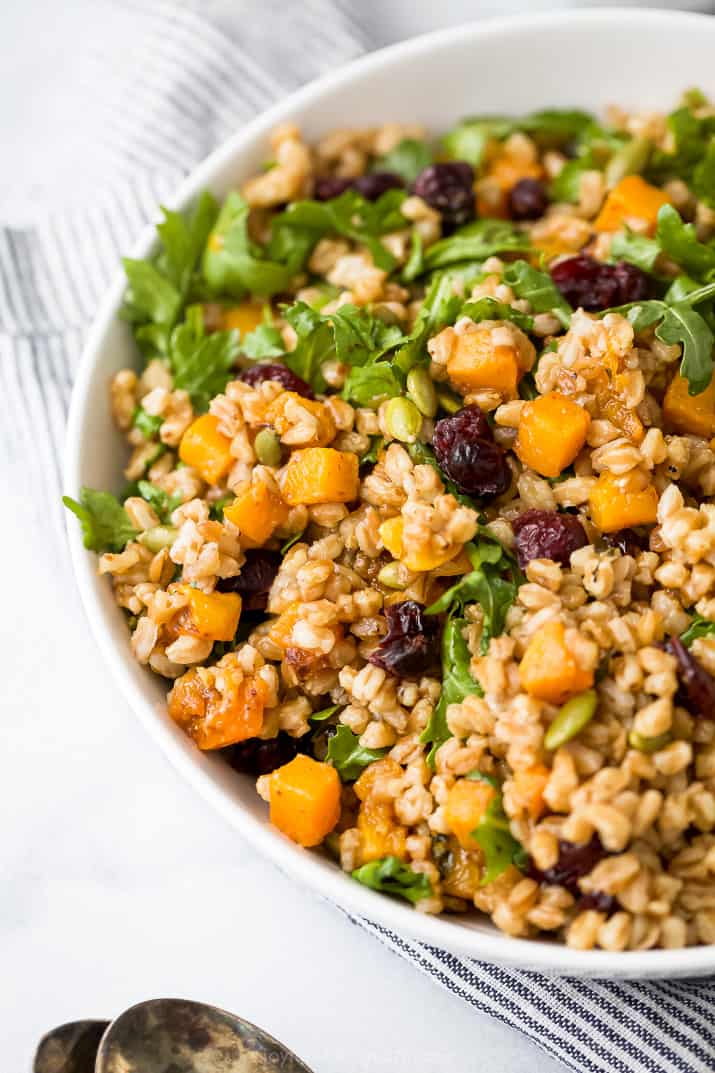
pixel 70 1048
pixel 177 1036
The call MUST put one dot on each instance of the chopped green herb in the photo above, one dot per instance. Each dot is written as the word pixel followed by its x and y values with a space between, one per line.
pixel 106 526
pixel 390 876
pixel 348 756
pixel 407 159
pixel 699 627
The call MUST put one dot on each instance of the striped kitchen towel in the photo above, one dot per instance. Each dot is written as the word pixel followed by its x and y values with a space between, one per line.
pixel 155 87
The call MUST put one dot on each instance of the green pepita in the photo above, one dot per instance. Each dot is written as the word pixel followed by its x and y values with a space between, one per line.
pixel 393 576
pixel 403 420
pixel 449 402
pixel 630 159
pixel 421 389
pixel 267 447
pixel 158 537
pixel 648 745
pixel 571 718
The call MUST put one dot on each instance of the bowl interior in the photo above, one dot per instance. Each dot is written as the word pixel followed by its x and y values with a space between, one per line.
pixel 586 59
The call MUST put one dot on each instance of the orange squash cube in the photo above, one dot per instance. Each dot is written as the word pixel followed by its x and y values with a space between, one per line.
pixel 548 670
pixel 476 362
pixel 416 560
pixel 246 317
pixel 214 614
pixel 691 414
pixel 621 502
pixel 552 431
pixel 214 720
pixel 462 872
pixel 206 449
pixel 529 785
pixel 465 807
pixel 631 199
pixel 320 475
pixel 305 800
pixel 380 834
pixel 257 512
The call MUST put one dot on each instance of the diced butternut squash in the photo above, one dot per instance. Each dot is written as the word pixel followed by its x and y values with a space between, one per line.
pixel 480 359
pixel 529 785
pixel 305 800
pixel 320 475
pixel 206 449
pixel 548 670
pixel 214 614
pixel 216 719
pixel 552 431
pixel 257 512
pixel 419 560
pixel 380 834
pixel 465 807
pixel 246 317
pixel 462 873
pixel 503 173
pixel 622 502
pixel 292 413
pixel 632 199
pixel 694 414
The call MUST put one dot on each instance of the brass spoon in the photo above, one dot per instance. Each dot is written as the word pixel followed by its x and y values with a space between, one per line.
pixel 171 1036
pixel 71 1048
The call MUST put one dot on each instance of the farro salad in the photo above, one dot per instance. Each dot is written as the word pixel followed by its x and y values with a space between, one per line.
pixel 419 525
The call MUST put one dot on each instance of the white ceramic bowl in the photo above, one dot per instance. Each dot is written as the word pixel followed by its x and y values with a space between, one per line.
pixel 584 59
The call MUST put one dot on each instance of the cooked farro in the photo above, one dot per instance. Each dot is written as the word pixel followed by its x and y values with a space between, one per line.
pixel 420 521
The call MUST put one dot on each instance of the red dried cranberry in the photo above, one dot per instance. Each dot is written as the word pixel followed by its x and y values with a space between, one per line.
pixel 544 534
pixel 258 757
pixel 575 860
pixel 697 687
pixel 598 900
pixel 528 200
pixel 410 647
pixel 254 582
pixel 466 453
pixel 331 186
pixel 376 183
pixel 593 286
pixel 449 188
pixel 469 423
pixel 626 540
pixel 269 370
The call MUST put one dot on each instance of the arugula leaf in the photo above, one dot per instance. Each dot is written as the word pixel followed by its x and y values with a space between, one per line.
pixel 348 756
pixel 475 242
pixel 490 309
pixel 265 341
pixel 161 501
pixel 369 385
pixel 493 835
pixel 315 345
pixel 407 159
pixel 681 324
pixel 234 264
pixel 390 876
pixel 469 139
pixel 201 364
pixel 440 306
pixel 361 338
pixel 699 627
pixel 693 139
pixel 636 249
pixel 566 186
pixel 106 526
pixel 148 424
pixel 457 683
pixel 678 240
pixel 703 181
pixel 325 713
pixel 538 289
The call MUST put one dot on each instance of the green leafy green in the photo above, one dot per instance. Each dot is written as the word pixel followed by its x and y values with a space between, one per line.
pixel 218 506
pixel 636 249
pixel 348 756
pixel 681 324
pixel 457 683
pixel 369 385
pixel 148 424
pixel 693 156
pixel 703 181
pixel 161 501
pixel 106 526
pixel 325 713
pixel 491 309
pixel 440 307
pixel 538 289
pixel 370 456
pixel 469 139
pixel 200 363
pixel 315 345
pixel 390 876
pixel 234 264
pixel 361 338
pixel 699 627
pixel 474 242
pixel 493 835
pixel 678 240
pixel 407 159
pixel 265 341
pixel 291 542
pixel 566 186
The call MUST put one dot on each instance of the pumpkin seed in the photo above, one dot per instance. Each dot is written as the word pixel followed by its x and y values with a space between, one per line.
pixel 267 447
pixel 420 388
pixel 572 717
pixel 403 420
pixel 449 402
pixel 630 159
pixel 158 537
pixel 392 576
pixel 648 745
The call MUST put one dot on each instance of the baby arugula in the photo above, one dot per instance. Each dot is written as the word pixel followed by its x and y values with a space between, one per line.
pixel 457 683
pixel 469 139
pixel 348 756
pixel 494 837
pixel 699 627
pixel 391 876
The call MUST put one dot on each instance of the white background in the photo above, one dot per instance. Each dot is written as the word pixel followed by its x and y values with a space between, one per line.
pixel 117 882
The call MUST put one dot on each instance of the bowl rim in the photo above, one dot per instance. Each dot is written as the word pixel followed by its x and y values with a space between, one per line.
pixel 438 931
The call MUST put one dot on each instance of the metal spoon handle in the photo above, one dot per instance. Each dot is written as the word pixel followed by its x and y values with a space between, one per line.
pixel 71 1048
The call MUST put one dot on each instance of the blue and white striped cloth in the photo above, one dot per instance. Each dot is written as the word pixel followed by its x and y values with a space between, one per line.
pixel 160 88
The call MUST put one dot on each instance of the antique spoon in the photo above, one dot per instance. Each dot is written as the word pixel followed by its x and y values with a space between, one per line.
pixel 167 1036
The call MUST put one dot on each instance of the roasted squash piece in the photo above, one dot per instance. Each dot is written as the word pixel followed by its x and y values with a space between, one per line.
pixel 415 560
pixel 257 512
pixel 631 199
pixel 622 502
pixel 214 614
pixel 216 719
pixel 320 475
pixel 548 670
pixel 552 431
pixel 529 785
pixel 476 362
pixel 206 449
pixel 465 807
pixel 305 800
pixel 691 414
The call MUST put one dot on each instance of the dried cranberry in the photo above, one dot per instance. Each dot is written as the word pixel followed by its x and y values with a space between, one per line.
pixel 544 534
pixel 592 285
pixel 376 183
pixel 575 860
pixel 697 687
pixel 449 188
pixel 331 186
pixel 626 540
pixel 254 582
pixel 411 646
pixel 528 200
pixel 269 370
pixel 469 423
pixel 598 900
pixel 466 453
pixel 258 757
